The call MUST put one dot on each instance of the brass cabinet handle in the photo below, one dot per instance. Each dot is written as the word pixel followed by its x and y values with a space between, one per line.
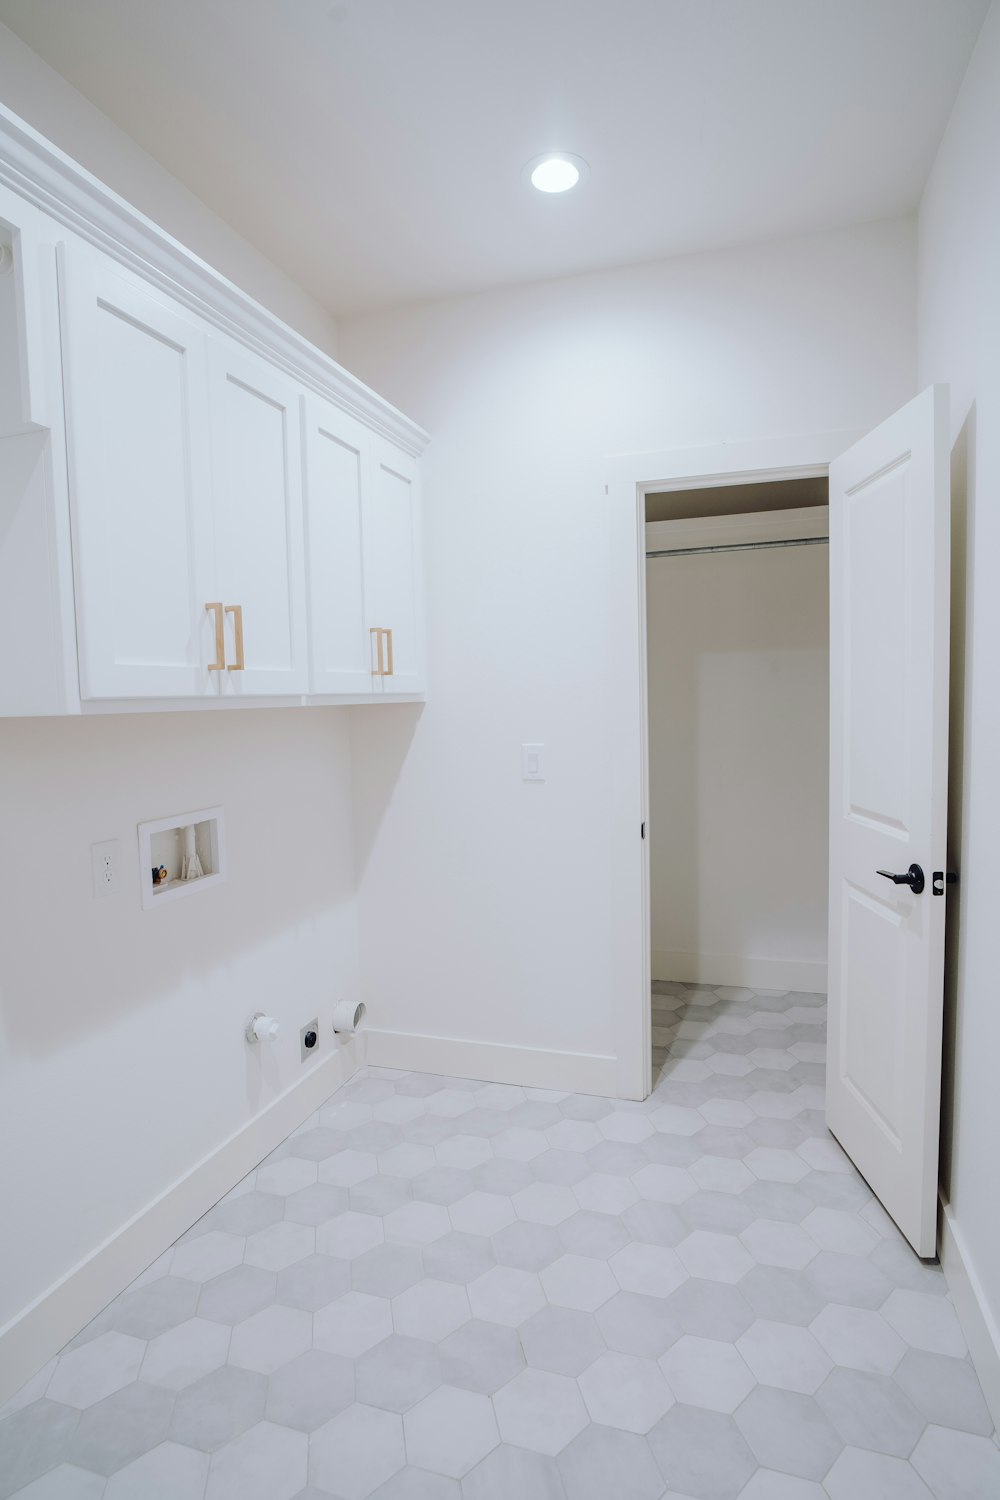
pixel 236 610
pixel 388 670
pixel 220 644
pixel 379 670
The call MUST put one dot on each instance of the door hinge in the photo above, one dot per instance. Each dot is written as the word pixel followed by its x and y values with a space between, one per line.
pixel 939 880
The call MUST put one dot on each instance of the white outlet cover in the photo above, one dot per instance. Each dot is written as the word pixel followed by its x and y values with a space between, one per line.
pixel 104 867
pixel 532 762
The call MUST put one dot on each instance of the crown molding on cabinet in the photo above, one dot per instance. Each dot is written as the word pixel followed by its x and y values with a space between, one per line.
pixel 36 169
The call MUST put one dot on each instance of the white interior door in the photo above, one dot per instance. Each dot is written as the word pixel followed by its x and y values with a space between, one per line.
pixel 394 568
pixel 889 602
pixel 337 449
pixel 257 507
pixel 139 470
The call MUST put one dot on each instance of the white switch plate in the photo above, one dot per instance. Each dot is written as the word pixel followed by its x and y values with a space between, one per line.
pixel 532 763
pixel 104 867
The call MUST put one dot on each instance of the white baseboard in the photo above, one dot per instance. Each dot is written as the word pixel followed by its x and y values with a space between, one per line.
pixel 452 1057
pixel 30 1339
pixel 733 969
pixel 978 1323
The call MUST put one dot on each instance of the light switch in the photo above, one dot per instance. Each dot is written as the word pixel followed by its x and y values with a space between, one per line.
pixel 532 766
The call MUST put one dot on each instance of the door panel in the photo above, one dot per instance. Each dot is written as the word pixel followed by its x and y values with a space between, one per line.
pixel 889 577
pixel 394 566
pixel 257 491
pixel 134 371
pixel 337 449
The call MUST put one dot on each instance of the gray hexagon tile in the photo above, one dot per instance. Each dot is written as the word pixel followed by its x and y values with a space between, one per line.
pixel 397 1373
pixel 701 1453
pixel 481 1356
pixel 449 1290
pixel 540 1411
pixel 356 1451
pixel 510 1471
pixel 450 1431
pixel 625 1391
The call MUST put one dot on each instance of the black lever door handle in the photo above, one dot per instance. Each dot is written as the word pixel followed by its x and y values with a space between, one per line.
pixel 914 878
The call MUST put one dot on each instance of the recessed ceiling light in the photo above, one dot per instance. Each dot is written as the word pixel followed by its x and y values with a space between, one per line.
pixel 556 171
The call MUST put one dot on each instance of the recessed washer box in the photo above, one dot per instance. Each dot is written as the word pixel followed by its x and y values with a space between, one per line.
pixel 181 855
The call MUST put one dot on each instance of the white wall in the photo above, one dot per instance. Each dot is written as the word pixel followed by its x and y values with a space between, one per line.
pixel 43 98
pixel 959 323
pixel 485 902
pixel 123 1066
pixel 123 1061
pixel 738 667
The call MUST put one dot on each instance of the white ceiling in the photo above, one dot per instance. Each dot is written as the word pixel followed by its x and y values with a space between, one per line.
pixel 373 149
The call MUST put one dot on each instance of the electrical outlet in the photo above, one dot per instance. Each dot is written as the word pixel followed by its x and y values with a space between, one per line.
pixel 104 867
pixel 309 1039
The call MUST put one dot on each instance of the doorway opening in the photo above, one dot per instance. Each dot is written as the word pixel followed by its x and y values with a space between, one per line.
pixel 737 655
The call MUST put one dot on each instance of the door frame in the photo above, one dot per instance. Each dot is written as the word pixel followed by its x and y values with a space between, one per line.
pixel 628 480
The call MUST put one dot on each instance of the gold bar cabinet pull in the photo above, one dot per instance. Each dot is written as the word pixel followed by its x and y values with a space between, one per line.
pixel 379 670
pixel 236 610
pixel 388 670
pixel 220 644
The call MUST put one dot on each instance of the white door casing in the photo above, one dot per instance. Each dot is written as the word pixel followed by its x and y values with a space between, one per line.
pixel 889 625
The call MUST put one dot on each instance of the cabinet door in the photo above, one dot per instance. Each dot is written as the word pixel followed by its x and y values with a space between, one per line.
pixel 257 507
pixel 337 453
pixel 394 567
pixel 137 426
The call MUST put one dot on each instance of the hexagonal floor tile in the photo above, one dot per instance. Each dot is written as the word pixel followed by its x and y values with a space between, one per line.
pixel 353 1324
pixel 216 1409
pixel 481 1356
pixel 167 1472
pixel 858 1473
pixel 715 1257
pixel 858 1338
pixel 578 1281
pixel 788 1431
pixel 505 1295
pixel 120 1428
pixel 89 1373
pixel 603 1462
pixel 431 1310
pixel 510 1472
pixel 309 1390
pixel 635 1324
pixel 957 1465
pixel 450 1431
pixel 184 1354
pixel 651 1270
pixel 561 1340
pixel 359 1449
pixel 540 1411
pixel 624 1391
pixel 701 1453
pixel 398 1373
pixel 482 1213
pixel 707 1373
pixel 784 1355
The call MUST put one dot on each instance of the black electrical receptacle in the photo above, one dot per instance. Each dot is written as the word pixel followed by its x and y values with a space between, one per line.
pixel 309 1038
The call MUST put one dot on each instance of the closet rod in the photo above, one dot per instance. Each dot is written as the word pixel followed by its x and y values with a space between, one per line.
pixel 804 541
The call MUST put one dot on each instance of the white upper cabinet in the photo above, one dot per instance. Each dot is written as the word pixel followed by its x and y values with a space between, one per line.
pixel 197 506
pixel 393 570
pixel 337 454
pixel 138 445
pixel 257 510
